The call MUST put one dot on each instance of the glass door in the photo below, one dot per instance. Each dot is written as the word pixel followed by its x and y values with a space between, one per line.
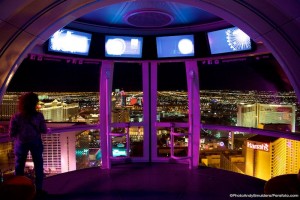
pixel 128 114
pixel 175 108
pixel 147 113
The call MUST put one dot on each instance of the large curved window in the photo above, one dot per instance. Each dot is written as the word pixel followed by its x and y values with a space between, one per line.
pixel 247 91
pixel 172 100
pixel 127 94
pixel 68 88
pixel 235 94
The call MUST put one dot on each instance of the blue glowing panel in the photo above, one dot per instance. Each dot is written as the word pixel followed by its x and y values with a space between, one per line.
pixel 175 46
pixel 123 46
pixel 228 40
pixel 70 41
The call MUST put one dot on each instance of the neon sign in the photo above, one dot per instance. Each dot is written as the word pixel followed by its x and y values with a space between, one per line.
pixel 258 145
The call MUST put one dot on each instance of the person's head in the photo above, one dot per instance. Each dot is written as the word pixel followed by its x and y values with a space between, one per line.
pixel 28 102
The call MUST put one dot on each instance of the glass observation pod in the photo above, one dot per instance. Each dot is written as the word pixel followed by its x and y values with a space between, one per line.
pixel 134 118
pixel 143 125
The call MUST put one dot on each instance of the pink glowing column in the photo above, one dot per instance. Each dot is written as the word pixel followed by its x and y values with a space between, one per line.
pixel 105 111
pixel 153 110
pixel 146 111
pixel 194 111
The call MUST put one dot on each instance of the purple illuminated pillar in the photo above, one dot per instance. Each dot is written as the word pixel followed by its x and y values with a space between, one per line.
pixel 146 110
pixel 105 111
pixel 194 111
pixel 153 105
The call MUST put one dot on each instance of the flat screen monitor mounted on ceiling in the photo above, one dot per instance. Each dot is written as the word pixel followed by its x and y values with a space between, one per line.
pixel 228 40
pixel 70 42
pixel 175 46
pixel 123 46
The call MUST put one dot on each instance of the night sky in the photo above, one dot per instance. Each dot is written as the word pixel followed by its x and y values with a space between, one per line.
pixel 53 76
pixel 264 74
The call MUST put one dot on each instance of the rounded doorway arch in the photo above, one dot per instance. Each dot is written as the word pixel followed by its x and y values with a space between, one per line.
pixel 255 18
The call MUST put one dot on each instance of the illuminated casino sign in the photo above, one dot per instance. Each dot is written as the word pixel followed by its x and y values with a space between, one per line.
pixel 258 145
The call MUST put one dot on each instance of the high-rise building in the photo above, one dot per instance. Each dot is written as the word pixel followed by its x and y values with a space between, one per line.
pixel 267 157
pixel 53 111
pixel 58 111
pixel 59 153
pixel 266 115
pixel 120 115
pixel 8 107
pixel 269 114
pixel 232 162
pixel 70 111
pixel 247 115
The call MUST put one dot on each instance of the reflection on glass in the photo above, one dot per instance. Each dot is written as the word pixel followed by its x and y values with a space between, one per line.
pixel 7 156
pixel 180 142
pixel 136 141
pixel 119 142
pixel 163 142
pixel 165 139
pixel 88 152
pixel 180 146
pixel 119 146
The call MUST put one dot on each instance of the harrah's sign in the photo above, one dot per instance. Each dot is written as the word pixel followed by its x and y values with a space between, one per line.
pixel 258 145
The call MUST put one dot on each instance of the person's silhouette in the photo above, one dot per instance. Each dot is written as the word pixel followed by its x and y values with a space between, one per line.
pixel 26 127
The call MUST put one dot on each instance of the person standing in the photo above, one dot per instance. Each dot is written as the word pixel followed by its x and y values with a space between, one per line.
pixel 26 127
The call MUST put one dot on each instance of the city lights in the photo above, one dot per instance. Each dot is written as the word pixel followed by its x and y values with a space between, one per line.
pixel 219 148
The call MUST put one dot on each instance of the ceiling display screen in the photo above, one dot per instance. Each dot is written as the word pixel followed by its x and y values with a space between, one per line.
pixel 70 41
pixel 228 40
pixel 175 46
pixel 123 46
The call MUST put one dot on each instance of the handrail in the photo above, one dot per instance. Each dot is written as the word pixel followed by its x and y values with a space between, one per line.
pixel 266 132
pixel 273 133
pixel 73 128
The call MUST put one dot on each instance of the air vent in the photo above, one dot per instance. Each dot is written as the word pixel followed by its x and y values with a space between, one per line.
pixel 148 18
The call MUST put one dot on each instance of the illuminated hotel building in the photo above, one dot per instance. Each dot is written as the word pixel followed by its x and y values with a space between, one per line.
pixel 267 157
pixel 264 115
pixel 8 107
pixel 246 115
pixel 269 114
pixel 70 110
pixel 58 111
pixel 231 162
pixel 59 153
pixel 120 115
pixel 52 111
pixel 136 133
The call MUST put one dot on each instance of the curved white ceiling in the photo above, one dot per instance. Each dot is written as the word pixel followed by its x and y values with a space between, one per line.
pixel 26 23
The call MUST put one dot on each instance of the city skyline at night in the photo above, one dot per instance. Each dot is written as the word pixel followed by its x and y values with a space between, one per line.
pixel 217 107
